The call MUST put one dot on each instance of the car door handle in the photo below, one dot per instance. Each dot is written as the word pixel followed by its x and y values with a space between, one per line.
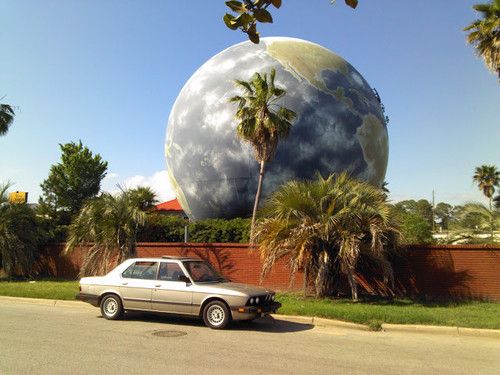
pixel 157 286
pixel 124 283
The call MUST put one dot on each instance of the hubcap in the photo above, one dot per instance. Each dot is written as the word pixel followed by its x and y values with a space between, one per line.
pixel 110 307
pixel 215 315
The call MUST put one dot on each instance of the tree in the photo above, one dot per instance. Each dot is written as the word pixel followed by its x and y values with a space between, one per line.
pixel 422 208
pixel 443 214
pixel 6 118
pixel 71 182
pixel 415 229
pixel 415 219
pixel 484 34
pixel 487 178
pixel 496 201
pixel 248 12
pixel 325 226
pixel 109 225
pixel 262 122
pixel 19 236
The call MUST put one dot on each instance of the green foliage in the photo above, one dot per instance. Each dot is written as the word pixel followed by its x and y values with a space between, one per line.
pixel 166 228
pixel 162 228
pixel 109 225
pixel 6 118
pixel 487 178
pixel 443 214
pixel 219 230
pixel 415 229
pixel 19 236
pixel 247 13
pixel 484 34
pixel 71 182
pixel 262 122
pixel 415 219
pixel 325 226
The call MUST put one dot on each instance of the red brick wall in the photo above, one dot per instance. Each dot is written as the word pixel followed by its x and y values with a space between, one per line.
pixel 453 271
pixel 448 271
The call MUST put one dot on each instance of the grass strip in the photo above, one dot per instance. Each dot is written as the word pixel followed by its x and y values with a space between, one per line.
pixel 473 314
pixel 49 289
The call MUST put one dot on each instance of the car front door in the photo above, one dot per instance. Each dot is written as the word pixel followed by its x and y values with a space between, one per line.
pixel 171 295
pixel 136 285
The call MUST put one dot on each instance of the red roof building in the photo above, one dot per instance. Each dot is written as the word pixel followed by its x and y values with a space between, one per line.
pixel 172 206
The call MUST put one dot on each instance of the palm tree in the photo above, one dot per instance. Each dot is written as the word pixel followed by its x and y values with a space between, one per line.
pixel 6 117
pixel 324 226
pixel 497 201
pixel 109 225
pixel 18 236
pixel 487 177
pixel 485 34
pixel 262 122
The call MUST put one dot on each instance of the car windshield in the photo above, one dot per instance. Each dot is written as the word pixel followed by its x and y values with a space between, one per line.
pixel 202 272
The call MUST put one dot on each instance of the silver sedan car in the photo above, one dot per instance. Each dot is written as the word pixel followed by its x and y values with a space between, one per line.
pixel 176 285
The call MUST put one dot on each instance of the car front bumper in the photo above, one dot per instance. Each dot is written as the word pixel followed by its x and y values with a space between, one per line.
pixel 89 298
pixel 252 312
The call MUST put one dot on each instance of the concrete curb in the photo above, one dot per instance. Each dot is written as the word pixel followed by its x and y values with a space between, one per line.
pixel 442 330
pixel 46 302
pixel 321 322
pixel 317 322
pixel 404 328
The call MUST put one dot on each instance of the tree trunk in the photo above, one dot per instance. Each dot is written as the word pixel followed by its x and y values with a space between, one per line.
pixel 257 198
pixel 353 284
pixel 323 279
pixel 305 279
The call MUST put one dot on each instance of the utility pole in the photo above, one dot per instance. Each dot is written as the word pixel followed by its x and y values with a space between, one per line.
pixel 433 219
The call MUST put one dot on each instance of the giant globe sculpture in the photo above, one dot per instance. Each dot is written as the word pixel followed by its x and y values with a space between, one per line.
pixel 340 126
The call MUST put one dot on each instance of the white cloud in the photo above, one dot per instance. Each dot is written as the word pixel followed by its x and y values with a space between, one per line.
pixel 158 182
pixel 111 176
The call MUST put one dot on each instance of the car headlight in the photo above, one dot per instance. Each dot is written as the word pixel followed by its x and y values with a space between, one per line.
pixel 257 300
pixel 251 301
pixel 272 297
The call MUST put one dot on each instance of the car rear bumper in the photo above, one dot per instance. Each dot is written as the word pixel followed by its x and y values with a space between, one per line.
pixel 89 298
pixel 252 312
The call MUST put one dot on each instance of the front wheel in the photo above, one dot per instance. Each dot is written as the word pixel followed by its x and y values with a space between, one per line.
pixel 216 315
pixel 111 307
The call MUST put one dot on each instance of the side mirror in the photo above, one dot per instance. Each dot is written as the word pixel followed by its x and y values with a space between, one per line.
pixel 184 278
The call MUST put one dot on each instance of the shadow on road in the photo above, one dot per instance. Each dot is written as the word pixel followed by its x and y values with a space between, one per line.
pixel 266 324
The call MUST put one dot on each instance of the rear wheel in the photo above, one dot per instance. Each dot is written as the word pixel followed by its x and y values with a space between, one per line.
pixel 216 315
pixel 111 307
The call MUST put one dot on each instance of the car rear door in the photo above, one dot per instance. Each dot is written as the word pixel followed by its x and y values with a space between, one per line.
pixel 169 294
pixel 137 283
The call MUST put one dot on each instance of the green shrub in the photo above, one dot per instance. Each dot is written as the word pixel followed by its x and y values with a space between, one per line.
pixel 166 228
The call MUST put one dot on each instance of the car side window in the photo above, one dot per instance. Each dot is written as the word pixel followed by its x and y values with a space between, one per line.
pixel 141 270
pixel 169 271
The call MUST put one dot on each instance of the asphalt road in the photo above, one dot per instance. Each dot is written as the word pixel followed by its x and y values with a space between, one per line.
pixel 51 339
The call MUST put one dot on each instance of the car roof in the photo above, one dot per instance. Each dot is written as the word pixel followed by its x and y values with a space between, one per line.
pixel 166 257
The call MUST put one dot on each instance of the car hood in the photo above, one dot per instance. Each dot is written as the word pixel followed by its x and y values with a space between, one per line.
pixel 233 288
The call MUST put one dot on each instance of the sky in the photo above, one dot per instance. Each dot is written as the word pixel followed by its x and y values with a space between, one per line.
pixel 108 72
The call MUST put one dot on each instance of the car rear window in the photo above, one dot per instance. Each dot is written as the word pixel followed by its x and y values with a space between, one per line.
pixel 141 270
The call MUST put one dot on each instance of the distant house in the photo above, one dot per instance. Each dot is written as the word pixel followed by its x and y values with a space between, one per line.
pixel 170 208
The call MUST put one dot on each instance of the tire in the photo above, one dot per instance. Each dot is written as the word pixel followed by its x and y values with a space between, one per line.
pixel 111 307
pixel 216 315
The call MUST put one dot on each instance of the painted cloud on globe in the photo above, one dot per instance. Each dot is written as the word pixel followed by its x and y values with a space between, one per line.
pixel 340 126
